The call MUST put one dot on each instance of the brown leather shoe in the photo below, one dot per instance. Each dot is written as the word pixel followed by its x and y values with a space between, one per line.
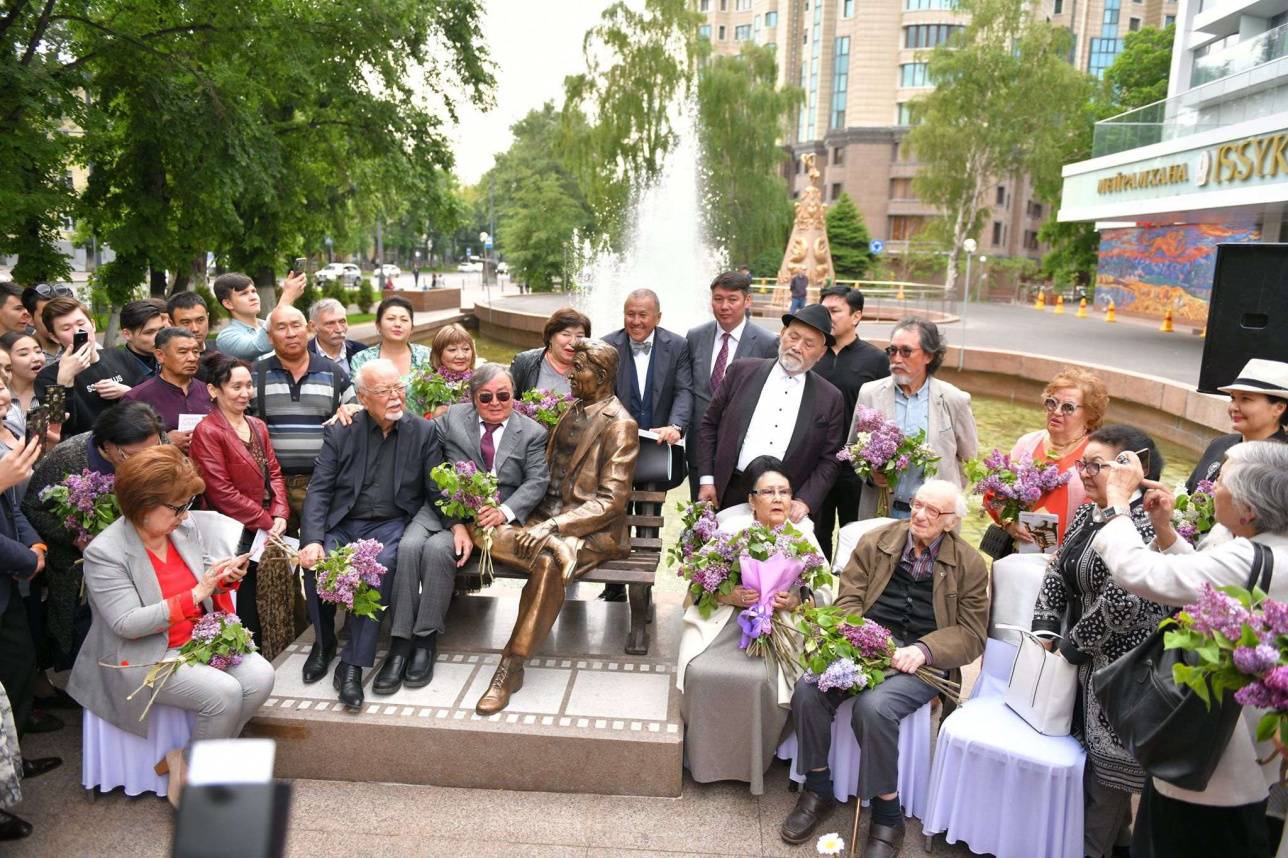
pixel 884 841
pixel 507 680
pixel 809 810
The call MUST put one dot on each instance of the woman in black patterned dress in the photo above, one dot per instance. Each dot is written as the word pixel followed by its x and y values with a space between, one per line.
pixel 1099 622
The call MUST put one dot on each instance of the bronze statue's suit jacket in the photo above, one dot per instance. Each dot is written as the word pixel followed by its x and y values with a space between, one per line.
pixel 595 486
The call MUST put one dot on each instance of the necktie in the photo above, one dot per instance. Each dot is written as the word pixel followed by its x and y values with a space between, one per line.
pixel 486 447
pixel 641 348
pixel 722 360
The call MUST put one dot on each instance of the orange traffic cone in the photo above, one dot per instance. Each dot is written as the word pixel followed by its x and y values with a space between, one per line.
pixel 1082 309
pixel 1109 312
pixel 1166 327
pixel 1040 303
pixel 1059 305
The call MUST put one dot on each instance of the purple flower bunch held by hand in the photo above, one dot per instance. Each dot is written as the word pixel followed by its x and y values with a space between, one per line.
pixel 365 563
pixel 1217 612
pixel 871 639
pixel 1256 660
pixel 842 674
pixel 1009 488
pixel 85 501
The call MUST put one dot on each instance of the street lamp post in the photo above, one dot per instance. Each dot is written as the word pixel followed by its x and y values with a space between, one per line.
pixel 969 246
pixel 486 241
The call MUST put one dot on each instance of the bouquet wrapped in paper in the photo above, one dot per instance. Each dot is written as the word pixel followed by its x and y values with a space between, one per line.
pixel 431 388
pixel 881 447
pixel 1010 488
pixel 544 406
pixel 1193 513
pixel 466 490
pixel 85 501
pixel 852 654
pixel 773 561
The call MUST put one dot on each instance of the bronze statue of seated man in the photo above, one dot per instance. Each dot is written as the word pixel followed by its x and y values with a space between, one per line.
pixel 580 523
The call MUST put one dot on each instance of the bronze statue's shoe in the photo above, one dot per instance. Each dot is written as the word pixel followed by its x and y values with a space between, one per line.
pixel 507 680
pixel 564 555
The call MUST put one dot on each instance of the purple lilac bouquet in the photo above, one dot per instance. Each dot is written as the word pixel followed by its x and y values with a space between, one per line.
pixel 881 447
pixel 1010 488
pixel 705 555
pixel 1241 639
pixel 86 502
pixel 544 406
pixel 219 640
pixel 852 654
pixel 1193 514
pixel 431 388
pixel 772 561
pixel 466 490
pixel 351 575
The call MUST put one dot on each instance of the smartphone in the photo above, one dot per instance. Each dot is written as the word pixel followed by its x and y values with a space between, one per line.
pixel 300 265
pixel 1143 455
pixel 79 340
pixel 38 424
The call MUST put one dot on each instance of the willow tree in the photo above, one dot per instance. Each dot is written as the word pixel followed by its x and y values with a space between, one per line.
pixel 1004 105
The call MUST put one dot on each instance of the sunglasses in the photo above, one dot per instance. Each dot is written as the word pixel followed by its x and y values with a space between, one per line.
pixel 1065 408
pixel 180 510
pixel 902 351
pixel 54 290
pixel 501 396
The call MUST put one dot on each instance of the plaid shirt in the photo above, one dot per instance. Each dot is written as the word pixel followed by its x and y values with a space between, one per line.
pixel 919 568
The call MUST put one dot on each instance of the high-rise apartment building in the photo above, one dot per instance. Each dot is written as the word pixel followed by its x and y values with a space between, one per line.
pixel 861 66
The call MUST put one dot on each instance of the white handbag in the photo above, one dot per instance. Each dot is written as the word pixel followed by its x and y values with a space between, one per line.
pixel 1043 686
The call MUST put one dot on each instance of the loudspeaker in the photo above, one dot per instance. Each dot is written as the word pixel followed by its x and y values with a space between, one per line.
pixel 1248 311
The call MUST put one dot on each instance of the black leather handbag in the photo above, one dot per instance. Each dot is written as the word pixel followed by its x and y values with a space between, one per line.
pixel 1171 732
pixel 996 542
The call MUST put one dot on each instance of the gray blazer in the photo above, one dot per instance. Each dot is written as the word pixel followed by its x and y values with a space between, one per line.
pixel 951 431
pixel 131 621
pixel 522 472
pixel 756 342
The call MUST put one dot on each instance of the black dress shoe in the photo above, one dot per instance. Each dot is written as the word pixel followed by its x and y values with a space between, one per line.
pixel 809 810
pixel 884 841
pixel 348 681
pixel 315 666
pixel 13 828
pixel 58 700
pixel 42 722
pixel 37 766
pixel 420 670
pixel 614 593
pixel 390 676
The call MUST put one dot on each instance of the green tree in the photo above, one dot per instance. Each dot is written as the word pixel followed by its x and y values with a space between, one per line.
pixel 850 240
pixel 1003 100
pixel 743 119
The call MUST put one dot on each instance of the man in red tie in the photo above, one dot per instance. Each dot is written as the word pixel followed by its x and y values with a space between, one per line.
pixel 716 344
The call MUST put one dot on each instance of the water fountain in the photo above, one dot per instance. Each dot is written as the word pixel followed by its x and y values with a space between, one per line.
pixel 665 249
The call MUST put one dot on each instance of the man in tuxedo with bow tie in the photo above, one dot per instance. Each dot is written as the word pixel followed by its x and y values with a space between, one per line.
pixel 776 407
pixel 488 432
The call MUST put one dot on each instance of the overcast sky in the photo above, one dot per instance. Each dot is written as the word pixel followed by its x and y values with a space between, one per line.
pixel 534 45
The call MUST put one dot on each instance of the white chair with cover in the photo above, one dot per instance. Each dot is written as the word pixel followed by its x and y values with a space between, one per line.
pixel 998 785
pixel 112 757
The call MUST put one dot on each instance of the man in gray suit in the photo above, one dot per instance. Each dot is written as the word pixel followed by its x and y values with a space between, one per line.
pixel 487 432
pixel 717 344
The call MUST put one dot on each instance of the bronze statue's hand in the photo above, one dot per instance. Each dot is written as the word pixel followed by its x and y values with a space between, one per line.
pixel 531 537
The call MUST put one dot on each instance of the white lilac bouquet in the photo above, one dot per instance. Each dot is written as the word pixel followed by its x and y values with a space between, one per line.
pixel 431 388
pixel 1241 639
pixel 1193 513
pixel 219 640
pixel 351 575
pixel 85 501
pixel 466 490
pixel 544 406
pixel 881 447
pixel 852 654
pixel 1010 488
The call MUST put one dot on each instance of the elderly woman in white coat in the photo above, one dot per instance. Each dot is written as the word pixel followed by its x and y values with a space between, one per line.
pixel 1251 502
pixel 735 706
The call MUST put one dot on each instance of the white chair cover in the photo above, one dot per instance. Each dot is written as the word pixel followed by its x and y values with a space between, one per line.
pixel 843 760
pixel 220 535
pixel 848 537
pixel 998 785
pixel 111 757
pixel 1016 580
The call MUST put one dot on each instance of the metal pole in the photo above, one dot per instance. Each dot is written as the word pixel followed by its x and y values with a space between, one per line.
pixel 961 348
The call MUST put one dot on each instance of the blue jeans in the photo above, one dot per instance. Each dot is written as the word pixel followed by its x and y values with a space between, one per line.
pixel 796 304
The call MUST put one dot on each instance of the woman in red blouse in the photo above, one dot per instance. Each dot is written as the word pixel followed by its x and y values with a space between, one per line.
pixel 149 580
pixel 244 482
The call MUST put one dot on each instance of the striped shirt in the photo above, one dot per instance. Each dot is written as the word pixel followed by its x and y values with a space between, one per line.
pixel 295 410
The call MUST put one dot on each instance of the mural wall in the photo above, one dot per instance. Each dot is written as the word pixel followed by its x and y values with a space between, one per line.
pixel 1145 270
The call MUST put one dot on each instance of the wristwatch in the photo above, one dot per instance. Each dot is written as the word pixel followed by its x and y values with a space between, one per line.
pixel 1109 514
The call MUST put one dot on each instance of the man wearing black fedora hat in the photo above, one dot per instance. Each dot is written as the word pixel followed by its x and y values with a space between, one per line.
pixel 776 407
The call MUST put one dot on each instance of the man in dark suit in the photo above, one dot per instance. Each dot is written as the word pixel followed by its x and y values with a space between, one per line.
pixel 776 407
pixel 486 431
pixel 329 325
pixel 371 477
pixel 716 344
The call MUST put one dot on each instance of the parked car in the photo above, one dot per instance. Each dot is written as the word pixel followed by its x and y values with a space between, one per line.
pixel 502 268
pixel 470 267
pixel 390 270
pixel 346 272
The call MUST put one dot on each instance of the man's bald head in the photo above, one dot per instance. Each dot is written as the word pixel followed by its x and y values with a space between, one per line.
pixel 938 508
pixel 288 331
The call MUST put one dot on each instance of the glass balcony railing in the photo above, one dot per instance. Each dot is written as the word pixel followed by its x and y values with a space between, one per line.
pixel 1248 54
pixel 1191 112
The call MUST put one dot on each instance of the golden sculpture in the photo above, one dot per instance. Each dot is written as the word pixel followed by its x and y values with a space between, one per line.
pixel 808 250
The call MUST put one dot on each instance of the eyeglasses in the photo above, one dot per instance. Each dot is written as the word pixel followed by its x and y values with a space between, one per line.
pixel 772 493
pixel 1065 408
pixel 501 396
pixel 180 510
pixel 387 392
pixel 1089 469
pixel 54 290
pixel 931 512
pixel 903 351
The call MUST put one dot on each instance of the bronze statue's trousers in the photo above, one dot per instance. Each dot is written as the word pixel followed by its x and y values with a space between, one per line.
pixel 542 596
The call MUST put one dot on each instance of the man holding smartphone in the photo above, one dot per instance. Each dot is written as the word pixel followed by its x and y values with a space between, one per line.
pixel 246 335
pixel 94 377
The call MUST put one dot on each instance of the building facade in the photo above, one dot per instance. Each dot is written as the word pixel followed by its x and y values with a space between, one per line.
pixel 1168 182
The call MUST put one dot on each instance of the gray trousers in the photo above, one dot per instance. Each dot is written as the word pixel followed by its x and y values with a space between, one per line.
pixel 1106 817
pixel 224 700
pixel 425 580
pixel 875 721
